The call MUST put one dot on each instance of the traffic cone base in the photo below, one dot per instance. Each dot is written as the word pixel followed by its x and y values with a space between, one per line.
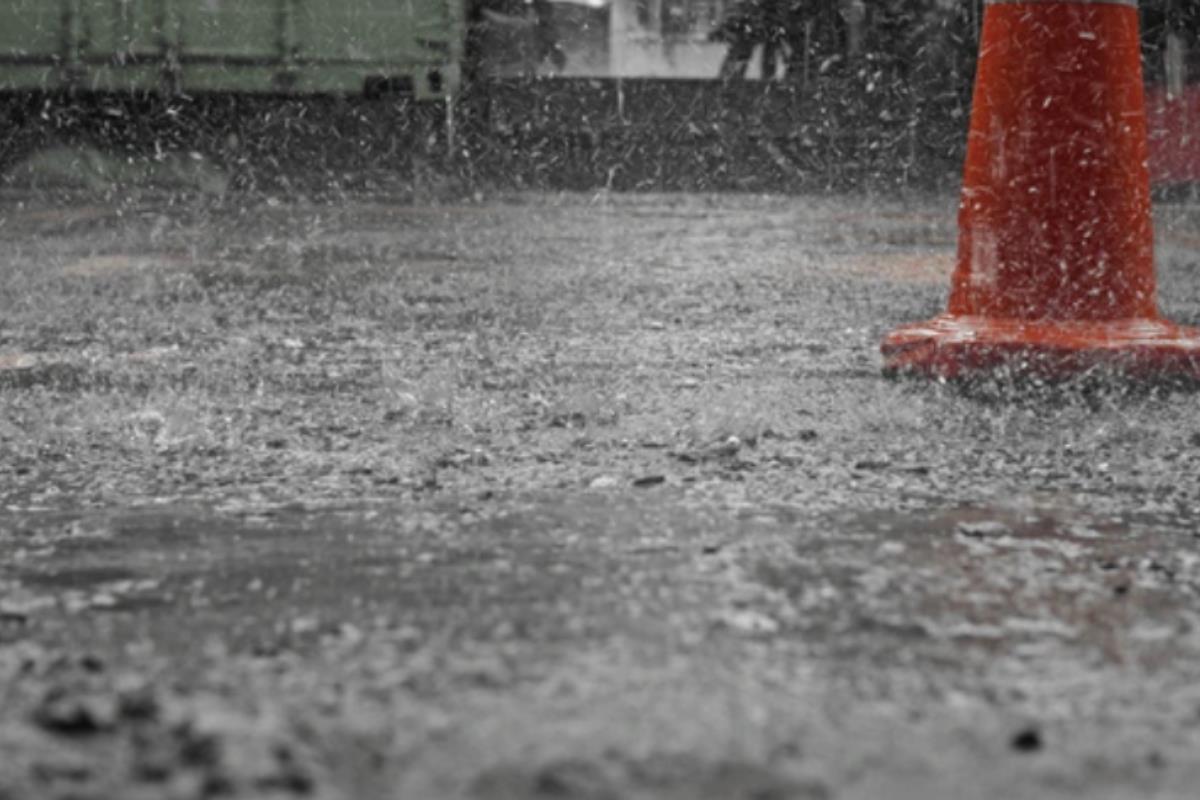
pixel 954 347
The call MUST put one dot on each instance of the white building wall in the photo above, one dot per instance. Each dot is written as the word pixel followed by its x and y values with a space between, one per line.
pixel 637 49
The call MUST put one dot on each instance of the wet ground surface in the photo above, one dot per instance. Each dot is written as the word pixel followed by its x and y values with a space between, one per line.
pixel 567 496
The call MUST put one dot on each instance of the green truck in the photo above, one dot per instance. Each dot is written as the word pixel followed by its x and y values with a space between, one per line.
pixel 252 46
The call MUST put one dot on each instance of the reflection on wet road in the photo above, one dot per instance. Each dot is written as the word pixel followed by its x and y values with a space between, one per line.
pixel 944 583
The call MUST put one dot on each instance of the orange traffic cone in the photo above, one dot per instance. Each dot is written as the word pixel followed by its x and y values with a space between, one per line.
pixel 1055 272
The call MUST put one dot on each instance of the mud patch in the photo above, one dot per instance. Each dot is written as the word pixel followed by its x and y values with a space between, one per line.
pixel 979 581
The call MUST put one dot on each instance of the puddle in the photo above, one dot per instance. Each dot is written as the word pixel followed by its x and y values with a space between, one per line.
pixel 179 575
pixel 995 579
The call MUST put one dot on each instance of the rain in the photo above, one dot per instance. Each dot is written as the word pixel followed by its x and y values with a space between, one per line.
pixel 622 399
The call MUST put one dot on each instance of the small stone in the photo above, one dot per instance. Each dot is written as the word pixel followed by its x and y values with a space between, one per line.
pixel 1081 531
pixel 102 600
pixel 749 622
pixel 983 529
pixel 649 480
pixel 137 700
pixel 603 482
pixel 1027 740
pixel 75 714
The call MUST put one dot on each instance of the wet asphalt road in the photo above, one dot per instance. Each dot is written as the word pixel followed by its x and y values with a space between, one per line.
pixel 602 639
pixel 661 530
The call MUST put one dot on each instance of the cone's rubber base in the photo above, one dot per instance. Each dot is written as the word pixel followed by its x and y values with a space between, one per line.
pixel 953 347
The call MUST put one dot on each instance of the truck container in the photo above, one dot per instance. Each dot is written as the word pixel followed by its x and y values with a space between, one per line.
pixel 253 46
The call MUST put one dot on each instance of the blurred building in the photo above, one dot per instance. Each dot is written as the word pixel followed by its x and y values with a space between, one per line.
pixel 674 38
pixel 777 39
pixel 797 39
pixel 665 38
pixel 601 38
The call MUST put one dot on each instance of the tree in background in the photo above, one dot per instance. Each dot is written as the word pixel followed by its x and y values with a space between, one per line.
pixel 1171 42
pixel 749 24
